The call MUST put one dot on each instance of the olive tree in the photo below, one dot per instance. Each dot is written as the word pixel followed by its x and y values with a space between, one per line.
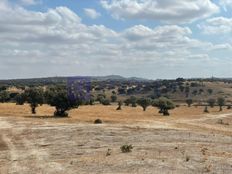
pixel 164 104
pixel 119 105
pixel 144 103
pixel 189 102
pixel 221 102
pixel 211 102
pixel 35 97
pixel 60 100
pixel 20 99
pixel 4 96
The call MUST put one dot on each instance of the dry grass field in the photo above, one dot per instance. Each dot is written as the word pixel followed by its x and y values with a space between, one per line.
pixel 188 141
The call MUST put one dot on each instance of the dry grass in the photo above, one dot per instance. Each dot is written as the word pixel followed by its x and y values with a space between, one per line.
pixel 109 113
pixel 188 141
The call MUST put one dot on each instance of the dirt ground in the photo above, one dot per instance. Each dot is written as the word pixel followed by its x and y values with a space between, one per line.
pixel 188 141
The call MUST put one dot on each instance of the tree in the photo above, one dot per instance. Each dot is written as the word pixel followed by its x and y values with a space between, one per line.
pixel 127 102
pixel 119 105
pixel 164 104
pixel 210 91
pixel 221 102
pixel 206 109
pixel 35 97
pixel 105 102
pixel 189 102
pixel 4 96
pixel 101 97
pixel 113 98
pixel 144 103
pixel 133 101
pixel 211 102
pixel 20 99
pixel 62 102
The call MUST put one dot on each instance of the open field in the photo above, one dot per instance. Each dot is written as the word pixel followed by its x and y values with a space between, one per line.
pixel 188 141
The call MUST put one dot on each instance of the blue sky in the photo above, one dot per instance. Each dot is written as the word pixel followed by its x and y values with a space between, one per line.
pixel 144 38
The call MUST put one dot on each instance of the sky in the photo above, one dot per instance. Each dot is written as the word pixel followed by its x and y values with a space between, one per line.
pixel 155 39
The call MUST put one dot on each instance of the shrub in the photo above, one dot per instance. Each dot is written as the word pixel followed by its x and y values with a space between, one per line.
pixel 105 102
pixel 126 148
pixel 98 121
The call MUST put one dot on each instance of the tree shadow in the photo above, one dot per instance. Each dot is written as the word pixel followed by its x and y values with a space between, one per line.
pixel 44 117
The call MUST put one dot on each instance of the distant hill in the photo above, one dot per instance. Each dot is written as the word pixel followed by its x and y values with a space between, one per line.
pixel 55 80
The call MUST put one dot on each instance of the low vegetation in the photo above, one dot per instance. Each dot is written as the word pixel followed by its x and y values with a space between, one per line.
pixel 126 148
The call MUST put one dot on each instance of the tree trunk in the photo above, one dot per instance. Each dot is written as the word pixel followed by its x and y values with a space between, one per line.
pixel 33 110
pixel 166 113
pixel 220 108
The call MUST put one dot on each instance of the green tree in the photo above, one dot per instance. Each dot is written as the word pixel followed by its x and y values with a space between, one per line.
pixel 164 104
pixel 210 91
pixel 127 102
pixel 113 98
pixel 60 100
pixel 101 97
pixel 189 102
pixel 133 101
pixel 144 103
pixel 35 97
pixel 211 102
pixel 4 96
pixel 105 102
pixel 20 99
pixel 221 102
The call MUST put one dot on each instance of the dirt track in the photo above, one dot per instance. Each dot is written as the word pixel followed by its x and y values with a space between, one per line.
pixel 47 146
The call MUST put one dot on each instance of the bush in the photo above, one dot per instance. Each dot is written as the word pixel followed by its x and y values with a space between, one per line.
pixel 126 148
pixel 98 121
pixel 105 102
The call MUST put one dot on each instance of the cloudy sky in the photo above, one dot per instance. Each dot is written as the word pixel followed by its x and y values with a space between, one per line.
pixel 143 38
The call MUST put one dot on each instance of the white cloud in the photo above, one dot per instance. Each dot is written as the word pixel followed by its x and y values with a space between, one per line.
pixel 170 11
pixel 56 42
pixel 91 13
pixel 29 2
pixel 225 4
pixel 217 25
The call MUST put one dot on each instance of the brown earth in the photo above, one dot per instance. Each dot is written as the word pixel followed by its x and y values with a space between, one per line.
pixel 188 141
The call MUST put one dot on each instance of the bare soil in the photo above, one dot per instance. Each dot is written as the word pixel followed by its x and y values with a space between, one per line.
pixel 188 141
